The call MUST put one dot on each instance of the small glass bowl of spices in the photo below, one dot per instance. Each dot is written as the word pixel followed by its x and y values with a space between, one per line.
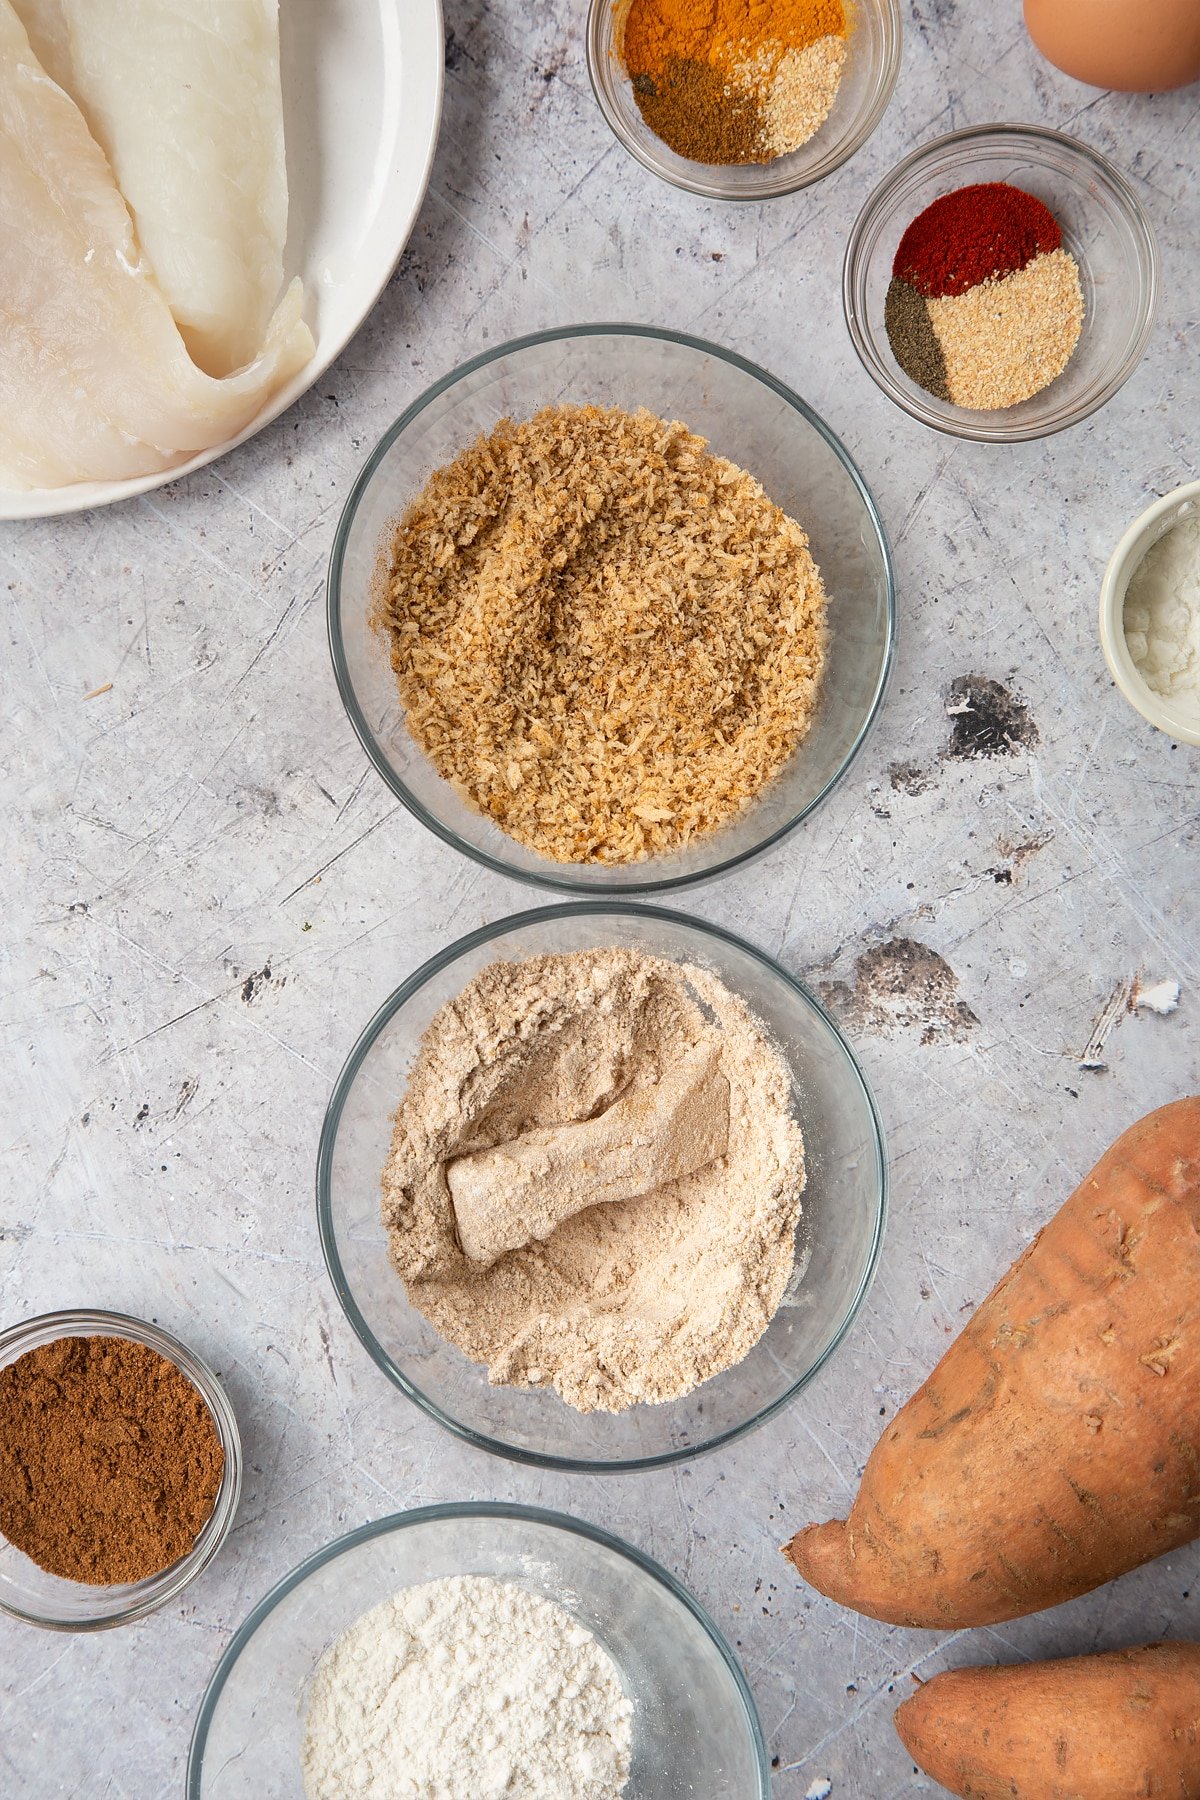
pixel 120 1469
pixel 1000 284
pixel 743 99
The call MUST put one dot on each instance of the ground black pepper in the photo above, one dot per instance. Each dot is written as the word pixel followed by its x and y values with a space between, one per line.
pixel 913 340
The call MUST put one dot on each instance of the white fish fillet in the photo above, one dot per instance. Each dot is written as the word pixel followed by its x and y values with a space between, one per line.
pixel 184 98
pixel 95 380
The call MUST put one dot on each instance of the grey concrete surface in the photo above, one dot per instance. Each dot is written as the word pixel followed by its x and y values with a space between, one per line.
pixel 206 892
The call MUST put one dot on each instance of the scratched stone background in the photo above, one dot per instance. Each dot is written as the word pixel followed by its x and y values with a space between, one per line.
pixel 206 892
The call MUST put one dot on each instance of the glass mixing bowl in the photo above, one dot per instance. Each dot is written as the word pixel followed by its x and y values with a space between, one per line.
pixel 40 1598
pixel 696 1734
pixel 837 1242
pixel 868 82
pixel 746 415
pixel 1103 227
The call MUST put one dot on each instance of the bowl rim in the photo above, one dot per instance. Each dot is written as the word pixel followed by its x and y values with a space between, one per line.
pixel 864 338
pixel 1119 571
pixel 463 1509
pixel 154 1590
pixel 892 19
pixel 332 1121
pixel 550 877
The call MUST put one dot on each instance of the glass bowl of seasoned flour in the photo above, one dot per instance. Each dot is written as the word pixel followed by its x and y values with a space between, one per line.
pixel 512 1633
pixel 604 1386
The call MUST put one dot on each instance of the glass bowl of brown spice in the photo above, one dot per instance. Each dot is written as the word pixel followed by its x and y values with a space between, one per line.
pixel 120 1469
pixel 610 609
pixel 739 100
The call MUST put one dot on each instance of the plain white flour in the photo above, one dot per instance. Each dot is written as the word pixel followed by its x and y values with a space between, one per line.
pixel 467 1689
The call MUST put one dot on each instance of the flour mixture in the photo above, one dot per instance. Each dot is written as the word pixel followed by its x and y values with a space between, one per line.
pixel 595 1177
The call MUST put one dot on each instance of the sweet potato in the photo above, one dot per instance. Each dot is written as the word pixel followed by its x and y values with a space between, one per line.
pixel 1121 1726
pixel 1057 1443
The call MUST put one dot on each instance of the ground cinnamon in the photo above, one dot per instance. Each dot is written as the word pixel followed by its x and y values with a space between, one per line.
pixel 110 1462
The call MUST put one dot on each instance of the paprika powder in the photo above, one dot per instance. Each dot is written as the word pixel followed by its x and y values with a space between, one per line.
pixel 734 81
pixel 977 233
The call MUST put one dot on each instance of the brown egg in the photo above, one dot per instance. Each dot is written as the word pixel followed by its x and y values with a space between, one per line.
pixel 1140 46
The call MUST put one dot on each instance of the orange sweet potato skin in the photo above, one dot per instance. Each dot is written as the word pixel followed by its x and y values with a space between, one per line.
pixel 1057 1443
pixel 1122 1726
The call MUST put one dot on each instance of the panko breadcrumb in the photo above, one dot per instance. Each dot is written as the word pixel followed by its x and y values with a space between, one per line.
pixel 607 638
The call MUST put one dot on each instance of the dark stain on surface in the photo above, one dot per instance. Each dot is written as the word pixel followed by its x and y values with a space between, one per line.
pixel 328 1349
pixel 902 985
pixel 1017 851
pixel 143 1113
pixel 910 778
pixel 187 1093
pixel 456 54
pixel 253 983
pixel 989 720
pixel 268 801
pixel 933 14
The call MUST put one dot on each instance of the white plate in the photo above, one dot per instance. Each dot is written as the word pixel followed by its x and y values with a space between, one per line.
pixel 362 98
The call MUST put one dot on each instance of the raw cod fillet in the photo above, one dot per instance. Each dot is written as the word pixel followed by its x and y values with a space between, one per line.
pixel 184 98
pixel 95 381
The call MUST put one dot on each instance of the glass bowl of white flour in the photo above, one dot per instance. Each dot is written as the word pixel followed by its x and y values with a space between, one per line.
pixel 478 1652
pixel 521 1412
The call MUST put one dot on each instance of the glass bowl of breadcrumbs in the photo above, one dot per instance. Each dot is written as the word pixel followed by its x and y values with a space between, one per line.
pixel 610 609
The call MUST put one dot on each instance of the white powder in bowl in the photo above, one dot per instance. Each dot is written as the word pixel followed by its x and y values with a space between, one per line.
pixel 1162 617
pixel 467 1689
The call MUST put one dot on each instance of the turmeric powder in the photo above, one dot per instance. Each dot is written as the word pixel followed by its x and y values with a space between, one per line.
pixel 723 81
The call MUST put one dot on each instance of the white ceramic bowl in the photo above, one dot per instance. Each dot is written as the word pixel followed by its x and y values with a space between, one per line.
pixel 1146 530
pixel 362 101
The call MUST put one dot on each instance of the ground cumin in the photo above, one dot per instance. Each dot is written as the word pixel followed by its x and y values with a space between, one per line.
pixel 689 107
pixel 110 1461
